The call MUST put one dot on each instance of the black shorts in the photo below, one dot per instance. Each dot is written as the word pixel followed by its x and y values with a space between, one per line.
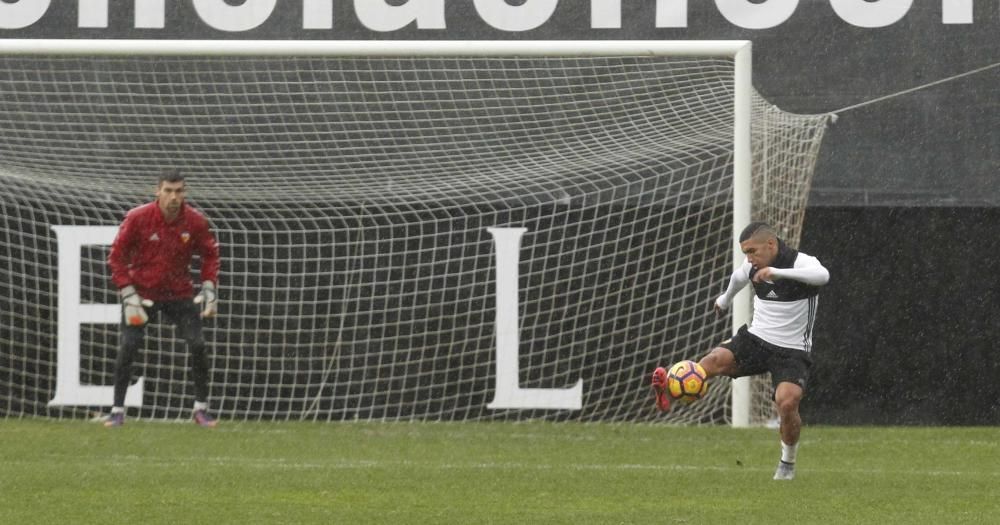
pixel 183 314
pixel 755 356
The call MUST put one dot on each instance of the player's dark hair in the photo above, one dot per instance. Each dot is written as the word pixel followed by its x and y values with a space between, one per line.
pixel 756 228
pixel 172 175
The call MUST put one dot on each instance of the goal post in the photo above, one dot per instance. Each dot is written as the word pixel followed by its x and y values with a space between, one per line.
pixel 742 203
pixel 357 187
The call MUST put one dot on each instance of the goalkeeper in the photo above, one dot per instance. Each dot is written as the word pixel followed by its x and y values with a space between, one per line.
pixel 150 264
pixel 786 287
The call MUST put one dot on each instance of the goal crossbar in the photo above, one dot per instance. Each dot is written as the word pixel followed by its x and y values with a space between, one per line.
pixel 578 48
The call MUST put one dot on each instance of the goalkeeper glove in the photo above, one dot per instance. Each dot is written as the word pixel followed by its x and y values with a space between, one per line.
pixel 207 299
pixel 135 314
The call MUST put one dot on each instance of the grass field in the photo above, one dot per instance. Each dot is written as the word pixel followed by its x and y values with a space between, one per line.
pixel 145 472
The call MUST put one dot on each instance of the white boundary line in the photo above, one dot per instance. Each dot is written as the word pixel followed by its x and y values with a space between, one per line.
pixel 362 464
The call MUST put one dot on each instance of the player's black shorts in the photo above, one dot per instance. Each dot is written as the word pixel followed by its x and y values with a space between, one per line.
pixel 755 356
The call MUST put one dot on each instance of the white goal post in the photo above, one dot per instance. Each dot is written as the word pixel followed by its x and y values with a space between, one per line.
pixel 571 132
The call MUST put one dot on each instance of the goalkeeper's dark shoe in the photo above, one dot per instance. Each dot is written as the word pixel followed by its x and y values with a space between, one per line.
pixel 116 419
pixel 202 419
pixel 660 388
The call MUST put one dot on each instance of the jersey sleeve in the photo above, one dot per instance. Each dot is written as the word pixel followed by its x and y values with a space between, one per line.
pixel 807 270
pixel 737 281
pixel 208 250
pixel 121 251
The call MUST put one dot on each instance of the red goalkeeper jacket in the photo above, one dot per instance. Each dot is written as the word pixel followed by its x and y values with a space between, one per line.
pixel 155 256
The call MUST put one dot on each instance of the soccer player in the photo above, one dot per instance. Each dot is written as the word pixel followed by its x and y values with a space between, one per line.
pixel 150 264
pixel 786 286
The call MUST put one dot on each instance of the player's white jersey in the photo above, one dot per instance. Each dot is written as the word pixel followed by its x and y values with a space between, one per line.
pixel 784 308
pixel 788 324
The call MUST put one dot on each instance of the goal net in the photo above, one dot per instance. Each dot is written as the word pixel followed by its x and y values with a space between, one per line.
pixel 376 212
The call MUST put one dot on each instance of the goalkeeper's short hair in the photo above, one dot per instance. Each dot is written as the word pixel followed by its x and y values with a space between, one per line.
pixel 170 175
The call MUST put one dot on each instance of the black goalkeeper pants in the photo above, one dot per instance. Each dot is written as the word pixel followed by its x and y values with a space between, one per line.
pixel 185 317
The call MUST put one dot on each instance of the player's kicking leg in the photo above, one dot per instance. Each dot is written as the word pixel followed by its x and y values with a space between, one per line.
pixel 719 361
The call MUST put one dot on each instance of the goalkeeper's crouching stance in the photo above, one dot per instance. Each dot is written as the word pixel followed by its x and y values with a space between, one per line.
pixel 150 263
pixel 786 286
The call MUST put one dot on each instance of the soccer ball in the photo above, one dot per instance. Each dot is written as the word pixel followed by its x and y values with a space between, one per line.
pixel 687 382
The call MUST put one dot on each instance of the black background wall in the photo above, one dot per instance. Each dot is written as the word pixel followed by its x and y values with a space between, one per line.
pixel 907 329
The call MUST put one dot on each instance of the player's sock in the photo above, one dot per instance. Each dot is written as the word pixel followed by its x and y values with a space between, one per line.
pixel 200 405
pixel 117 410
pixel 788 452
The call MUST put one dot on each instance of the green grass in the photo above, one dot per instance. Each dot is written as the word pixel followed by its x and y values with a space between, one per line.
pixel 80 472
